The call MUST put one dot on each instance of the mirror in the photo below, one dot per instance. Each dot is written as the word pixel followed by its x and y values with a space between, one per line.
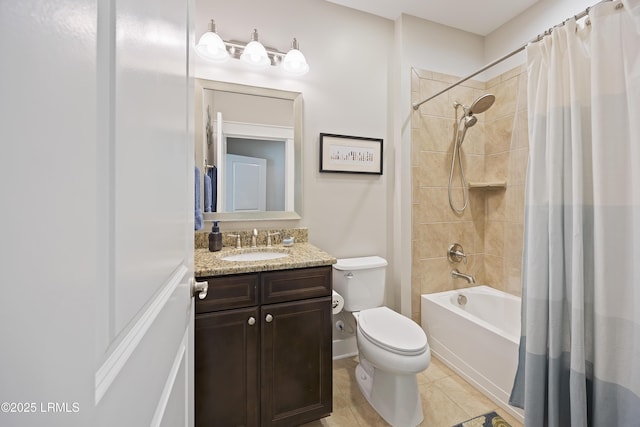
pixel 248 140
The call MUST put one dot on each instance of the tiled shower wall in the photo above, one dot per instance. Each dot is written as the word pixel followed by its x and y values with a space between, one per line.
pixel 495 150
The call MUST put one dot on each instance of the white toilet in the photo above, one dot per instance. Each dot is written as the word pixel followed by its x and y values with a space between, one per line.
pixel 392 348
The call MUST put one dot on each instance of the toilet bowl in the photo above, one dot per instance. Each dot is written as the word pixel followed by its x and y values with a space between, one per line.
pixel 391 347
pixel 392 350
pixel 392 341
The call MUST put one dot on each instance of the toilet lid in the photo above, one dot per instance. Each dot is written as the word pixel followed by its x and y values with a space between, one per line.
pixel 392 331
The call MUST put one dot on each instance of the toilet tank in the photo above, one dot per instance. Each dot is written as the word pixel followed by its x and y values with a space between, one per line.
pixel 360 281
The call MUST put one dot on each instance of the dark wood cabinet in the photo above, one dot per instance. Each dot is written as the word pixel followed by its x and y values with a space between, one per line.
pixel 226 368
pixel 296 376
pixel 263 349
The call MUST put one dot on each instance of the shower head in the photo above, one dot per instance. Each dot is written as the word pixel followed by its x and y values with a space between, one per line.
pixel 480 105
pixel 470 121
pixel 465 123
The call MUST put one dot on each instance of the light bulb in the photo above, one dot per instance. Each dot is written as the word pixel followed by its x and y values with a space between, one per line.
pixel 294 61
pixel 211 47
pixel 254 54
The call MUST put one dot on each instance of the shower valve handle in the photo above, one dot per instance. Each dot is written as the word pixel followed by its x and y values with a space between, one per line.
pixel 456 253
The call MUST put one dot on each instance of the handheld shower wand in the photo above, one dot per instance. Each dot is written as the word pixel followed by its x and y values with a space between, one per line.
pixel 467 120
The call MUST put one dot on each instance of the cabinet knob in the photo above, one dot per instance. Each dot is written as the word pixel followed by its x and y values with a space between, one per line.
pixel 199 288
pixel 268 318
pixel 251 321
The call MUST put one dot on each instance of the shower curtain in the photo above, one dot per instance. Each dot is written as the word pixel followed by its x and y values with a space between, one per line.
pixel 579 360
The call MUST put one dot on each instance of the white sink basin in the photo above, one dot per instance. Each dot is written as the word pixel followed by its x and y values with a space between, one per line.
pixel 255 256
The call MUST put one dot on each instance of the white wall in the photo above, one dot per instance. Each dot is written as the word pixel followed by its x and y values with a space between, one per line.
pixel 431 46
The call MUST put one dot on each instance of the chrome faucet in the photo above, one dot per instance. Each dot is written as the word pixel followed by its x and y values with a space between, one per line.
pixel 456 274
pixel 254 237
pixel 237 237
pixel 269 235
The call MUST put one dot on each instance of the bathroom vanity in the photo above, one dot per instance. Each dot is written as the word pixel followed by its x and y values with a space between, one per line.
pixel 263 339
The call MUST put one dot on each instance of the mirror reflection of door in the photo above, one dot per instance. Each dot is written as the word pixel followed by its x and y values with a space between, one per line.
pixel 246 184
pixel 273 151
pixel 274 144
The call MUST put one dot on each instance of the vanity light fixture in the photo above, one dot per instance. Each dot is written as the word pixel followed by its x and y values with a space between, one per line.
pixel 212 48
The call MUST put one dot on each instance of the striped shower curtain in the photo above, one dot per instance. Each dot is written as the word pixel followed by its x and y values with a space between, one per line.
pixel 580 347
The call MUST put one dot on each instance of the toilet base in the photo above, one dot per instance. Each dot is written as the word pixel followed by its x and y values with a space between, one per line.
pixel 394 397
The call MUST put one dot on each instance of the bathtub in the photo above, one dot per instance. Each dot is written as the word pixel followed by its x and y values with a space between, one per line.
pixel 478 339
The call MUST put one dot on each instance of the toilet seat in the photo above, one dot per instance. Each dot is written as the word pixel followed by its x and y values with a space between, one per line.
pixel 392 331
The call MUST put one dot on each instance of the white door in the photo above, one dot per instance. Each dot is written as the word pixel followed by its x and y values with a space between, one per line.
pixel 96 178
pixel 246 189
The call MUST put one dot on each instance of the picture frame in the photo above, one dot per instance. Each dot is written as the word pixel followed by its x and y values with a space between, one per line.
pixel 350 154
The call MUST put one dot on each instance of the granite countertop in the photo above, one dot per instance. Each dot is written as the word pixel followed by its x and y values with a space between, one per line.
pixel 301 255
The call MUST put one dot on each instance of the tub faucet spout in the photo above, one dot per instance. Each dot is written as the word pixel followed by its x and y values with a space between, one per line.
pixel 469 278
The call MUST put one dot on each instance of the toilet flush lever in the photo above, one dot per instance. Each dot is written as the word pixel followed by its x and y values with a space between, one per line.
pixel 349 275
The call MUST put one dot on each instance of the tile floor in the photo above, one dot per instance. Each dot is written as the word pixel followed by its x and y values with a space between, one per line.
pixel 447 399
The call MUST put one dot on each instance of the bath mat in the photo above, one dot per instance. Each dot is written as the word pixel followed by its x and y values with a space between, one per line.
pixel 487 420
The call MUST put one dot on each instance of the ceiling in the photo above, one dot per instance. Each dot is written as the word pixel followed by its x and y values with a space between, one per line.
pixel 479 17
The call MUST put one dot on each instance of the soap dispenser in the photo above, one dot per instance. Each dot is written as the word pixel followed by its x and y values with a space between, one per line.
pixel 215 238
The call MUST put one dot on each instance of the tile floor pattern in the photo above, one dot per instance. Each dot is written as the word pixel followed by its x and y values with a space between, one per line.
pixel 447 399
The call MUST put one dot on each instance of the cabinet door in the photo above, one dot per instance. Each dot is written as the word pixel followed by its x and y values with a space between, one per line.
pixel 226 368
pixel 296 362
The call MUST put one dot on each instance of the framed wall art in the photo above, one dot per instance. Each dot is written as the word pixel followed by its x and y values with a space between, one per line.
pixel 350 154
